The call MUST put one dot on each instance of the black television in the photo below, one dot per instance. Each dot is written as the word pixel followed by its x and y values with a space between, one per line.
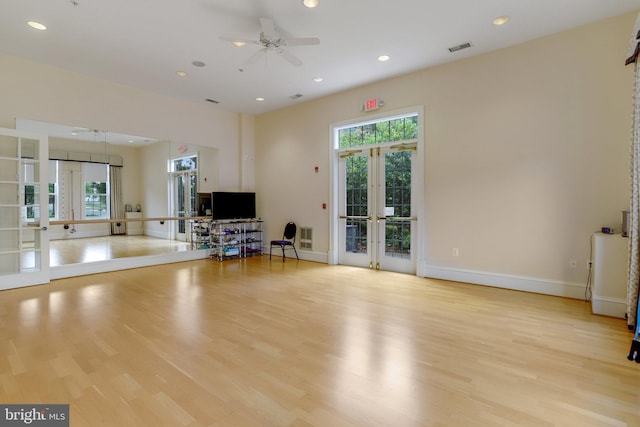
pixel 233 205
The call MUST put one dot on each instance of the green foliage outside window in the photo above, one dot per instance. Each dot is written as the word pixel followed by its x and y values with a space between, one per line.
pixel 398 196
pixel 402 129
pixel 185 164
pixel 95 200
pixel 52 200
pixel 30 200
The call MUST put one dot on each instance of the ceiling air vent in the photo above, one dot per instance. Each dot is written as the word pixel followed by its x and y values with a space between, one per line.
pixel 213 101
pixel 296 96
pixel 460 47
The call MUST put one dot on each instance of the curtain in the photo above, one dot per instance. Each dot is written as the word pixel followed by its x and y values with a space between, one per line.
pixel 634 169
pixel 117 208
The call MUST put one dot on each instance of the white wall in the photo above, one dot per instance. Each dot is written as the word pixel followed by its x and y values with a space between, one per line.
pixel 153 178
pixel 526 156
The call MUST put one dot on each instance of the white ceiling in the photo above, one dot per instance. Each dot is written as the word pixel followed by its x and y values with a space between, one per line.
pixel 143 43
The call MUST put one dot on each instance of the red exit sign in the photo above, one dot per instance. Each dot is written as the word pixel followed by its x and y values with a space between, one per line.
pixel 371 104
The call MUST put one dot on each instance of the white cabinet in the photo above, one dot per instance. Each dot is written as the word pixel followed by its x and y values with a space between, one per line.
pixel 610 260
pixel 134 227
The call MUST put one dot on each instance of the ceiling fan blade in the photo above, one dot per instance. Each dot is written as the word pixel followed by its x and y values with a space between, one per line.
pixel 256 56
pixel 236 39
pixel 267 27
pixel 304 41
pixel 290 57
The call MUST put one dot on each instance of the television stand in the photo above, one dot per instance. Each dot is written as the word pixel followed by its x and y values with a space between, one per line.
pixel 236 238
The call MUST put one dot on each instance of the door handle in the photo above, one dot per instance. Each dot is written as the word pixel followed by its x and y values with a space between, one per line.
pixel 398 218
pixel 368 218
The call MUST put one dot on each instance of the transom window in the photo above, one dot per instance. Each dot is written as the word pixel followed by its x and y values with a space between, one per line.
pixel 184 164
pixel 388 130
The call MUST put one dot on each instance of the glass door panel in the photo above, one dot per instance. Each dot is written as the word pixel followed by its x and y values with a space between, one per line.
pixel 354 207
pixel 185 192
pixel 179 205
pixel 24 251
pixel 395 251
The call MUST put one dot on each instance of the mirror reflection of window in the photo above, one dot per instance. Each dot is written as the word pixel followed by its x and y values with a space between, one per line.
pixel 95 191
pixel 52 201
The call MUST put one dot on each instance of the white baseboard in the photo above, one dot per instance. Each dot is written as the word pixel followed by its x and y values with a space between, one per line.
pixel 606 306
pixel 313 256
pixel 519 283
pixel 304 255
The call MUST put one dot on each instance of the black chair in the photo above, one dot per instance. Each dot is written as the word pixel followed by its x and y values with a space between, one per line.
pixel 288 240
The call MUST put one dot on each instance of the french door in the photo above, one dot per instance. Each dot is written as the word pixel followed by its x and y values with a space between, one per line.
pixel 377 223
pixel 24 209
pixel 184 188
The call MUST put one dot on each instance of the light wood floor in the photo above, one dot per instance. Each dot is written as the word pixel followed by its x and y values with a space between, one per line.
pixel 259 343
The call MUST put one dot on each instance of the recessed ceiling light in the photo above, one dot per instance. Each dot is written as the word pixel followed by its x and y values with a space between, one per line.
pixel 260 99
pixel 198 64
pixel 238 43
pixel 130 141
pixel 181 73
pixel 318 79
pixel 37 25
pixel 500 20
pixel 310 3
pixel 383 58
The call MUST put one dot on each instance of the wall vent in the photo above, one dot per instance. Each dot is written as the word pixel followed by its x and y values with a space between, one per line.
pixel 213 101
pixel 460 47
pixel 306 238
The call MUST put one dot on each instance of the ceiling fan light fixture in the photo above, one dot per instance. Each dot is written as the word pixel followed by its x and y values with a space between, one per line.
pixel 310 3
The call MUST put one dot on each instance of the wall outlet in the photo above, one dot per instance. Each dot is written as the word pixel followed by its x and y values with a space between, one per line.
pixel 456 251
pixel 588 264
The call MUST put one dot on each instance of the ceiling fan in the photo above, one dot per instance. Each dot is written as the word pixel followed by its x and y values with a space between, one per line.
pixel 270 40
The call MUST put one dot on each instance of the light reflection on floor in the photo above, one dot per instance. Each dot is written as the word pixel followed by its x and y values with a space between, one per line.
pixel 92 249
pixel 376 365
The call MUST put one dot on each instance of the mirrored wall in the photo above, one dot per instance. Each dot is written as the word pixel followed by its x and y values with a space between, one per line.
pixel 115 200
